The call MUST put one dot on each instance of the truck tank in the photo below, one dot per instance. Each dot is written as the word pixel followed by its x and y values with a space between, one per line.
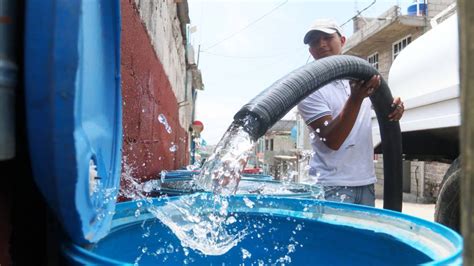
pixel 426 77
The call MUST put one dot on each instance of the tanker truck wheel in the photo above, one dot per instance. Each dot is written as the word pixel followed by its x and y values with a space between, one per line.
pixel 448 204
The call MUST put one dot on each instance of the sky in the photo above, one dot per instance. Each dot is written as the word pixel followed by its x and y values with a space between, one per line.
pixel 244 46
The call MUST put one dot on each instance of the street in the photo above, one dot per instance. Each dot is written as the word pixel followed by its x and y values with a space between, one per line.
pixel 421 210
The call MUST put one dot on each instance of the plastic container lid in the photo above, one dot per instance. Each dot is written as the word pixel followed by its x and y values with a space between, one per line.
pixel 73 99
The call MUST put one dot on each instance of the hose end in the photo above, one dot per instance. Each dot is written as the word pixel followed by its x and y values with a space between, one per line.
pixel 251 123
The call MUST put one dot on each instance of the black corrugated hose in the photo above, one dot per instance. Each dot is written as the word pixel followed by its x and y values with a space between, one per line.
pixel 273 103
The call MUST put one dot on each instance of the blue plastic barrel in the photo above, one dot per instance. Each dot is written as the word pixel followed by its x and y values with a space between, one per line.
pixel 420 7
pixel 259 176
pixel 190 173
pixel 293 231
pixel 74 110
pixel 180 182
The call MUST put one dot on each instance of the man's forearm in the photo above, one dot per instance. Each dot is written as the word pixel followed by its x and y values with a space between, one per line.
pixel 335 131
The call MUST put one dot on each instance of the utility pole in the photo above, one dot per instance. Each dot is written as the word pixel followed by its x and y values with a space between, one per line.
pixel 466 33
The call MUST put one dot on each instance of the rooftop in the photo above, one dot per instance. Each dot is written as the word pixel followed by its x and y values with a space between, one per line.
pixel 378 30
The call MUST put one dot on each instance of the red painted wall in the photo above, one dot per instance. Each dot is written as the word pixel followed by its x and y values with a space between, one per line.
pixel 147 93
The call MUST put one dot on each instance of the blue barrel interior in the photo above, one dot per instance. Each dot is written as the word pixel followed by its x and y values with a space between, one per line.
pixel 318 237
pixel 282 230
pixel 74 108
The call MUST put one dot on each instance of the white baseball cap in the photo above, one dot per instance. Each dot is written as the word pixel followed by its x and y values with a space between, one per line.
pixel 328 26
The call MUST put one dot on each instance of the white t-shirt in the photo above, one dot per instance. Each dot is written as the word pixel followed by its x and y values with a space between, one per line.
pixel 352 164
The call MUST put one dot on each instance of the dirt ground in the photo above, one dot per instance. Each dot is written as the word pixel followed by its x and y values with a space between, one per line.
pixel 424 211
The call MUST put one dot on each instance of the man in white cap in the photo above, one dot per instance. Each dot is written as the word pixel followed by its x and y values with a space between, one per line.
pixel 339 114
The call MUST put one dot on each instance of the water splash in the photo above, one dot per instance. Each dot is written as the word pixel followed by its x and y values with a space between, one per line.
pixel 221 172
pixel 162 119
pixel 249 203
pixel 173 147
pixel 199 227
pixel 101 195
pixel 205 227
pixel 131 187
pixel 195 166
pixel 245 253
pixel 151 185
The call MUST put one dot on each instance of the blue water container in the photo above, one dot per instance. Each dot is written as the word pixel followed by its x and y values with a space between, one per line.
pixel 74 110
pixel 180 182
pixel 279 231
pixel 191 173
pixel 259 176
pixel 417 7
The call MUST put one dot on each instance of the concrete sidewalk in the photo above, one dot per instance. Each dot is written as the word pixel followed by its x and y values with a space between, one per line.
pixel 421 210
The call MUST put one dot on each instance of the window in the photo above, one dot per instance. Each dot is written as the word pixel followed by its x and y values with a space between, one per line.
pixel 374 60
pixel 271 144
pixel 266 144
pixel 400 45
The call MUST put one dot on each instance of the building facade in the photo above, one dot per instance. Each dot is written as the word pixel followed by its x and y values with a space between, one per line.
pixel 277 149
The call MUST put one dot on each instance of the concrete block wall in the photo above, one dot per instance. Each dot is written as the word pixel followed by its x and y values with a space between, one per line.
pixel 378 165
pixel 434 173
pixel 425 179
pixel 417 177
pixel 385 61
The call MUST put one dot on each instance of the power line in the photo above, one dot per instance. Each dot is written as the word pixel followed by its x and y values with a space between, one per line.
pixel 358 13
pixel 246 27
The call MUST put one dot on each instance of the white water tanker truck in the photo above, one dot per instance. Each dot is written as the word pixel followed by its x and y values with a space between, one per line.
pixel 426 76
